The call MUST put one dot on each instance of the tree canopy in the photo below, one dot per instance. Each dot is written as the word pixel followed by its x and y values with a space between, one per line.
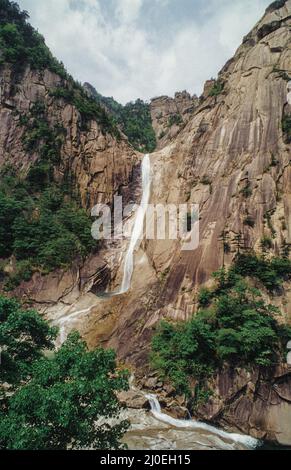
pixel 62 400
pixel 23 336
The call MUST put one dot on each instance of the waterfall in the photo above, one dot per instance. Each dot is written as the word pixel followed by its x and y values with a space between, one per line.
pixel 138 225
pixel 129 257
pixel 247 441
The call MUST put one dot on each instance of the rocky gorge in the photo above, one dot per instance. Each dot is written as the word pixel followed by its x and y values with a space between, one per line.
pixel 228 152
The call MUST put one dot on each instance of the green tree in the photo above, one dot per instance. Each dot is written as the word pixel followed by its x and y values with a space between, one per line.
pixel 9 209
pixel 68 402
pixel 134 119
pixel 234 325
pixel 183 350
pixel 57 400
pixel 43 232
pixel 23 336
pixel 270 272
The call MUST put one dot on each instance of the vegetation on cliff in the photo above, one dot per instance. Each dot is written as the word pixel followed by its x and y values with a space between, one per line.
pixel 41 230
pixel 136 122
pixel 54 400
pixel 217 88
pixel 88 107
pixel 22 45
pixel 41 224
pixel 286 127
pixel 134 119
pixel 234 325
pixel 23 336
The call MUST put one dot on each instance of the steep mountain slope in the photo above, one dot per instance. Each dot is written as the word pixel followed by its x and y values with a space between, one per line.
pixel 60 152
pixel 169 115
pixel 134 119
pixel 233 159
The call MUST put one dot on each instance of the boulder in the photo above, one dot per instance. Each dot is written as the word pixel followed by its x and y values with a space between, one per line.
pixel 169 390
pixel 178 412
pixel 133 399
pixel 151 383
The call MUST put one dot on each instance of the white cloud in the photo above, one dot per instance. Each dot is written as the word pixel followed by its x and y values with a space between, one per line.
pixel 125 52
pixel 128 10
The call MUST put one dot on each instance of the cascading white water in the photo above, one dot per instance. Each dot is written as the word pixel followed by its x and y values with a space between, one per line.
pixel 247 441
pixel 138 225
pixel 62 323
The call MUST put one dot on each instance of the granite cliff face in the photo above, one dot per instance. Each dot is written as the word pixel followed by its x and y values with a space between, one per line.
pixel 170 115
pixel 233 159
pixel 101 165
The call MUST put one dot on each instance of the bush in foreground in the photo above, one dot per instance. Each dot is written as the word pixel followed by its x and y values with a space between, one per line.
pixel 65 399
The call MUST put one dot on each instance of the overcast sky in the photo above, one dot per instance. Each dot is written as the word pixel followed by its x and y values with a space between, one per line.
pixel 132 49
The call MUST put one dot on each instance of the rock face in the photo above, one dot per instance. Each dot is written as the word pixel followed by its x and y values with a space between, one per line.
pixel 169 115
pixel 256 403
pixel 100 164
pixel 133 399
pixel 233 159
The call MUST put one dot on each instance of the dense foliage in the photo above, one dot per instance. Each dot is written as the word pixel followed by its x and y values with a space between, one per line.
pixel 137 125
pixel 55 401
pixel 270 272
pixel 43 231
pixel 23 336
pixel 233 325
pixel 21 44
pixel 134 119
pixel 286 127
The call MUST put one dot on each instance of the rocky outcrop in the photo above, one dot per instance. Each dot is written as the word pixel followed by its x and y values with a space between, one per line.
pixel 254 402
pixel 232 160
pixel 133 399
pixel 98 164
pixel 208 87
pixel 169 115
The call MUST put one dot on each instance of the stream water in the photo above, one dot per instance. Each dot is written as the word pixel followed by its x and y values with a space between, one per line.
pixel 159 431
